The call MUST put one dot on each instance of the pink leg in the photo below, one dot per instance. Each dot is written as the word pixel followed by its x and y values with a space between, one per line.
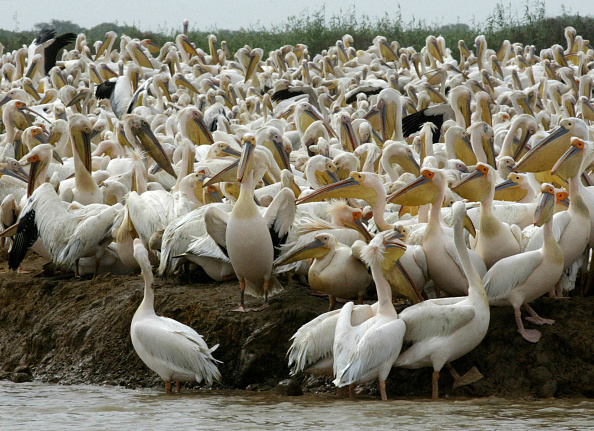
pixel 332 302
pixel 535 318
pixel 470 377
pixel 265 305
pixel 241 301
pixel 382 387
pixel 531 335
pixel 168 386
pixel 352 390
pixel 435 385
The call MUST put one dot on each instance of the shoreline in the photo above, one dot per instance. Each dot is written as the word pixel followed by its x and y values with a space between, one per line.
pixel 76 331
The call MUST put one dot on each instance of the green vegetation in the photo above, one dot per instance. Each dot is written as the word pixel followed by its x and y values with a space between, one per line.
pixel 529 25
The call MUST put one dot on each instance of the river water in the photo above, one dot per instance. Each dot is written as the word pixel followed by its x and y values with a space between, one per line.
pixel 36 406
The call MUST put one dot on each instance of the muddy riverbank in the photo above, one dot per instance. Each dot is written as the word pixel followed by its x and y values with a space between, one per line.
pixel 69 330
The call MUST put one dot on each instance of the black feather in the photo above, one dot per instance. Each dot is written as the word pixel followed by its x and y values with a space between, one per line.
pixel 44 35
pixel 369 91
pixel 52 50
pixel 285 94
pixel 105 90
pixel 277 241
pixel 24 239
pixel 414 122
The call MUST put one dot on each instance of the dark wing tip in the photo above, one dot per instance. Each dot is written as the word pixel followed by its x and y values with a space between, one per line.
pixel 105 90
pixel 44 35
pixel 24 239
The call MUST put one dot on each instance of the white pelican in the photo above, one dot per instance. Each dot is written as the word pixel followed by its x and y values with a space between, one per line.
pixel 444 266
pixel 442 330
pixel 171 349
pixel 367 351
pixel 248 239
pixel 48 45
pixel 520 279
pixel 334 270
pixel 67 235
pixel 572 227
pixel 495 239
pixel 86 190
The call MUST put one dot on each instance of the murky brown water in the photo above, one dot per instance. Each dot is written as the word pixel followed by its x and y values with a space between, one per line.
pixel 47 407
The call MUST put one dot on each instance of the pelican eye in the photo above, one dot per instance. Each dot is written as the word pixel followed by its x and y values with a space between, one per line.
pixel 357 215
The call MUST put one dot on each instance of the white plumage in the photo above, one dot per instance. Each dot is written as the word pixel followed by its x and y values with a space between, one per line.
pixel 171 349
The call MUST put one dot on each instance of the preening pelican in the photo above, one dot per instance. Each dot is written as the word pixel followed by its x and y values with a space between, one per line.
pixel 171 349
pixel 367 351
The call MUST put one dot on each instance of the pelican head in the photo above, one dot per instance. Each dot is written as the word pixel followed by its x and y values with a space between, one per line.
pixel 546 205
pixel 569 164
pixel 349 217
pixel 358 185
pixel 511 189
pixel 558 141
pixel 562 200
pixel 14 169
pixel 421 191
pixel 386 248
pixel 39 158
pixel 319 247
pixel 81 130
pixel 244 166
pixel 476 186
pixel 138 127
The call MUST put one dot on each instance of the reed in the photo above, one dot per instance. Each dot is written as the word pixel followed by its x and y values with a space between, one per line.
pixel 528 25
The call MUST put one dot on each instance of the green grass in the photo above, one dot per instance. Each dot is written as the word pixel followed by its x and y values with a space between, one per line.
pixel 528 26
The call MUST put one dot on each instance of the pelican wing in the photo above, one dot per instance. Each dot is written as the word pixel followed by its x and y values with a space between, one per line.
pixel 510 272
pixel 207 247
pixel 178 347
pixel 450 248
pixel 216 221
pixel 420 260
pixel 180 233
pixel 315 340
pixel 90 232
pixel 429 319
pixel 279 217
pixel 150 212
pixel 376 347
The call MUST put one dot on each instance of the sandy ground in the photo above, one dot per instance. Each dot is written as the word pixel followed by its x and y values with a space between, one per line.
pixel 69 330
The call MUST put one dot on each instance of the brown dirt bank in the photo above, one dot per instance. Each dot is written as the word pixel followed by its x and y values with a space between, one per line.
pixel 77 331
